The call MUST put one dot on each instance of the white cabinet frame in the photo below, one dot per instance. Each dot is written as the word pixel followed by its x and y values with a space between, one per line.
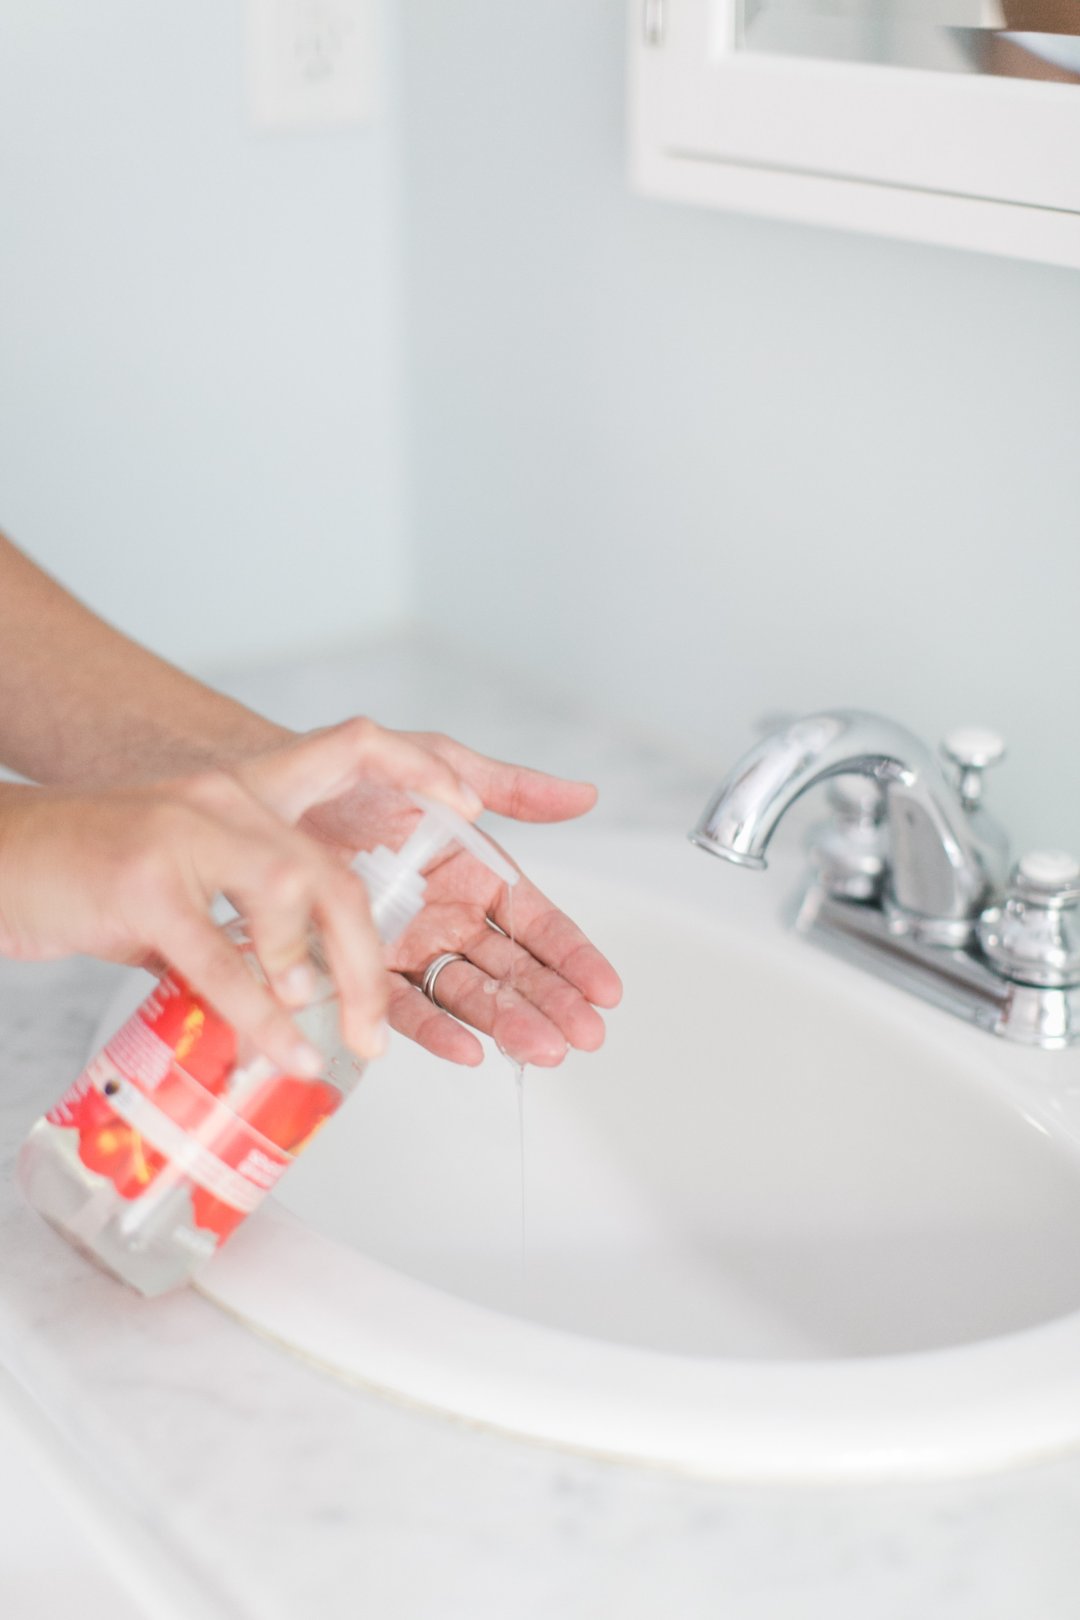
pixel 985 163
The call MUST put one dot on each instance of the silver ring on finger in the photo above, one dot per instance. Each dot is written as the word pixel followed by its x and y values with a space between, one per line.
pixel 427 984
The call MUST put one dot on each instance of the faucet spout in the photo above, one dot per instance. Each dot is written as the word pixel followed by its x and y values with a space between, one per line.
pixel 936 869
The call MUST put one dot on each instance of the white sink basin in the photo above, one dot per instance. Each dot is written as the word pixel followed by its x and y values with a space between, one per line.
pixel 787 1223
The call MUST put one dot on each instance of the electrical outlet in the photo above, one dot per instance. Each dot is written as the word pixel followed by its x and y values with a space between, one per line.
pixel 311 63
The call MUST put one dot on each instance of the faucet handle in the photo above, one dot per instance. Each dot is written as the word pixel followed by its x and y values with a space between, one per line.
pixel 972 749
pixel 1047 877
pixel 1033 934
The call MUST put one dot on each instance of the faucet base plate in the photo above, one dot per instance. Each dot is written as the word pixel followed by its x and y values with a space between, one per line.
pixel 946 976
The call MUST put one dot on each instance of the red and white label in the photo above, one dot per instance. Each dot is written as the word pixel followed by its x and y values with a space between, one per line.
pixel 168 1091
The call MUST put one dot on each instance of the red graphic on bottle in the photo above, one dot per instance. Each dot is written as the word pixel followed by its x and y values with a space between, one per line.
pixel 178 1052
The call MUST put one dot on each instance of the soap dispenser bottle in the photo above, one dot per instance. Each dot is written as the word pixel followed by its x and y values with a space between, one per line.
pixel 176 1131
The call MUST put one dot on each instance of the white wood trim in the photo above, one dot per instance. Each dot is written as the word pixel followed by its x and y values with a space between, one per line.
pixel 684 150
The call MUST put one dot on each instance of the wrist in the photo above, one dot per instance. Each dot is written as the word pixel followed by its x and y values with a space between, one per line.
pixel 16 808
pixel 234 735
pixel 217 738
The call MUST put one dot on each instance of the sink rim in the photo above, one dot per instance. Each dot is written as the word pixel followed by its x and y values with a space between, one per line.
pixel 966 1409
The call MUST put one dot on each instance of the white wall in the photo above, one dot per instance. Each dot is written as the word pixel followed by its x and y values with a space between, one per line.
pixel 199 411
pixel 695 466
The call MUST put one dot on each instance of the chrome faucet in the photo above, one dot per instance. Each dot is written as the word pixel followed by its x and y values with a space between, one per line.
pixel 910 875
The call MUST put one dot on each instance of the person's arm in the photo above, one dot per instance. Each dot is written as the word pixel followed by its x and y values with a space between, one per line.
pixel 82 703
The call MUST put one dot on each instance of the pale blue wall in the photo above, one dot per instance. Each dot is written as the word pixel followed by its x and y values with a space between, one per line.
pixel 696 466
pixel 199 414
pixel 688 465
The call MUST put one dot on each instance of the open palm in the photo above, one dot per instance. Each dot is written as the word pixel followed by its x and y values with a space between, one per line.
pixel 559 978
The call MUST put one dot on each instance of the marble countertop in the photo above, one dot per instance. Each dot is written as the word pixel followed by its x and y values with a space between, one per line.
pixel 220 1478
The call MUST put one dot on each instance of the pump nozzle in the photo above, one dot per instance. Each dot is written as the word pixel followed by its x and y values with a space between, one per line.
pixel 393 878
pixel 441 826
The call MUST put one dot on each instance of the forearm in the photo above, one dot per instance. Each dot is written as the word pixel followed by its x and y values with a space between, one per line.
pixel 80 702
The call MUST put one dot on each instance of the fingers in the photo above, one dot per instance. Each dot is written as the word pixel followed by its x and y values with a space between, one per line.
pixel 305 894
pixel 535 1018
pixel 291 891
pixel 355 958
pixel 325 764
pixel 553 939
pixel 491 1006
pixel 279 915
pixel 214 968
pixel 303 899
pixel 514 790
pixel 418 1018
pixel 560 1002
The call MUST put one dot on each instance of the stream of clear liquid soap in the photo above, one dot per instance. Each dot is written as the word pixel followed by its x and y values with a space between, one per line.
pixel 517 1067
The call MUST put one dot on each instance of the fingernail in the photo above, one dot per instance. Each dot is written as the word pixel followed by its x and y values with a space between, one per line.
pixel 378 1040
pixel 297 985
pixel 472 801
pixel 307 1060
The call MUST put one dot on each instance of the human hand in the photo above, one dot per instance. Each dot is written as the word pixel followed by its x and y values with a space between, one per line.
pixel 130 874
pixel 560 979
